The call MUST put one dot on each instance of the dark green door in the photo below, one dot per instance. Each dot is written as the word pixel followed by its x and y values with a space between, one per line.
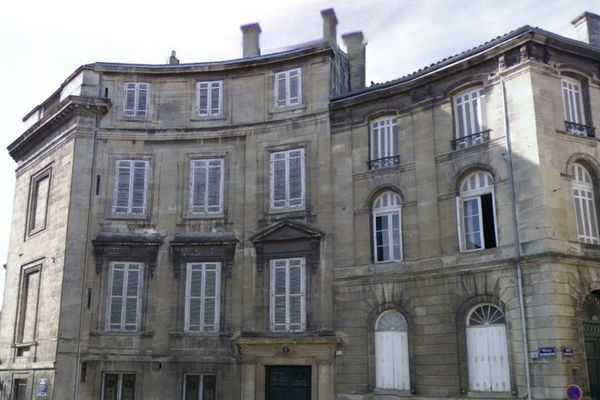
pixel 592 355
pixel 287 382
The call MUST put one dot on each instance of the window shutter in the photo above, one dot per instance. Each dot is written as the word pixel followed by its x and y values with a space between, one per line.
pixel 116 296
pixel 142 105
pixel 215 178
pixel 278 178
pixel 573 101
pixel 122 178
pixel 129 107
pixel 279 296
pixel 296 178
pixel 280 89
pixel 132 287
pixel 296 295
pixel 211 279
pixel 215 98
pixel 138 198
pixel 294 91
pixel 194 297
pixel 203 98
pixel 198 192
pixel 206 186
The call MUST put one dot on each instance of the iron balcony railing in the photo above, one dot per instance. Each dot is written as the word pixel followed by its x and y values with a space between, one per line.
pixel 470 140
pixel 384 162
pixel 579 129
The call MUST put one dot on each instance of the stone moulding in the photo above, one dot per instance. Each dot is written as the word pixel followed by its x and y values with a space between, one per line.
pixel 206 247
pixel 130 246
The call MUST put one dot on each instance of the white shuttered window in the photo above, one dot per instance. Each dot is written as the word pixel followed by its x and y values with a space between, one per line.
pixel 391 352
pixel 202 294
pixel 206 186
pixel 288 88
pixel 387 227
pixel 573 101
pixel 287 179
pixel 384 132
pixel 210 98
pixel 288 300
pixel 136 99
pixel 585 204
pixel 124 303
pixel 131 181
pixel 467 112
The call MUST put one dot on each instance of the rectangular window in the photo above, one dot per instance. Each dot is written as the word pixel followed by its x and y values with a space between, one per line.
pixel 287 179
pixel 574 106
pixel 124 297
pixel 288 88
pixel 19 389
pixel 131 184
pixel 199 387
pixel 118 386
pixel 467 112
pixel 202 297
pixel 38 201
pixel 288 295
pixel 136 99
pixel 478 222
pixel 28 311
pixel 209 98
pixel 206 186
pixel 384 146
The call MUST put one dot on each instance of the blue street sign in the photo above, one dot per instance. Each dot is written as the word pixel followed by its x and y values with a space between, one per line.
pixel 574 392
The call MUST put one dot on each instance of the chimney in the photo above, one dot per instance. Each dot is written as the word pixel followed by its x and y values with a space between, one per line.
pixel 329 26
pixel 355 46
pixel 251 44
pixel 173 59
pixel 587 26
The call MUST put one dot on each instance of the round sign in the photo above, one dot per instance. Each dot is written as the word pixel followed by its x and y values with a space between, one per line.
pixel 574 392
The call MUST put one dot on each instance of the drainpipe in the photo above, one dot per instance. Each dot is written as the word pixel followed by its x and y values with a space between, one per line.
pixel 518 269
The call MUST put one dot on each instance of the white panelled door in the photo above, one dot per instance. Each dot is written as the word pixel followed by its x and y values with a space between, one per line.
pixel 488 353
pixel 391 352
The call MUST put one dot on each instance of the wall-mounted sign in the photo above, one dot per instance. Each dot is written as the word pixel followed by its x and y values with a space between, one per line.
pixel 42 387
pixel 547 352
pixel 574 392
pixel 568 352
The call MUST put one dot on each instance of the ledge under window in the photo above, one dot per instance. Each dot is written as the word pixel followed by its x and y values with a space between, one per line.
pixel 384 162
pixel 573 128
pixel 471 140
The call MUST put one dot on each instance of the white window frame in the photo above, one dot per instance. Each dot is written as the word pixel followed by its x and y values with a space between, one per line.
pixel 468 106
pixel 137 88
pixel 124 298
pixel 287 202
pixel 201 391
pixel 203 268
pixel 473 190
pixel 286 264
pixel 130 209
pixel 285 78
pixel 210 86
pixel 397 356
pixel 387 205
pixel 384 138
pixel 572 96
pixel 119 383
pixel 584 201
pixel 207 164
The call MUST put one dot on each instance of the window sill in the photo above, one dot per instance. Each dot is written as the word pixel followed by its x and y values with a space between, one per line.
pixel 284 109
pixel 143 334
pixel 574 136
pixel 397 392
pixel 201 118
pixel 490 395
pixel 181 334
pixel 128 217
pixel 207 216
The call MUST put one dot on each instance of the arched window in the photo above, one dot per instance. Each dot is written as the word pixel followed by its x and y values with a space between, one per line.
pixel 487 350
pixel 391 351
pixel 585 204
pixel 387 227
pixel 476 212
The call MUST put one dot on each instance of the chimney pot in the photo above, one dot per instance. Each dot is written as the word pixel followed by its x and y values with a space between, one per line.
pixel 173 59
pixel 329 26
pixel 355 46
pixel 587 26
pixel 250 42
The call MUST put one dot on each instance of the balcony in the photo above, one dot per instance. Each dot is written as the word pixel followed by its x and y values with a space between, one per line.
pixel 384 162
pixel 576 129
pixel 471 140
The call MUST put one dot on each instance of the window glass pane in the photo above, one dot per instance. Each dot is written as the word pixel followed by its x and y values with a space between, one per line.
pixel 128 390
pixel 209 387
pixel 111 386
pixel 192 387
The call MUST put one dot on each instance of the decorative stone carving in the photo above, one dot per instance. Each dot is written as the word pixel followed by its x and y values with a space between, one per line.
pixel 206 247
pixel 127 246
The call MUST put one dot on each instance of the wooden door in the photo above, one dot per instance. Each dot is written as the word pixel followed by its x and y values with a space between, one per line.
pixel 287 382
pixel 592 355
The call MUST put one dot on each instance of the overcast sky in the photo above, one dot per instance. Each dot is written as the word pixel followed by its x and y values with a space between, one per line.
pixel 43 42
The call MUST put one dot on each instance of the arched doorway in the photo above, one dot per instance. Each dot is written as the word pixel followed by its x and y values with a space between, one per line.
pixel 591 332
pixel 391 351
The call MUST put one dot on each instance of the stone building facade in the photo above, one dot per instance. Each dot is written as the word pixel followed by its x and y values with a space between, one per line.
pixel 270 228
